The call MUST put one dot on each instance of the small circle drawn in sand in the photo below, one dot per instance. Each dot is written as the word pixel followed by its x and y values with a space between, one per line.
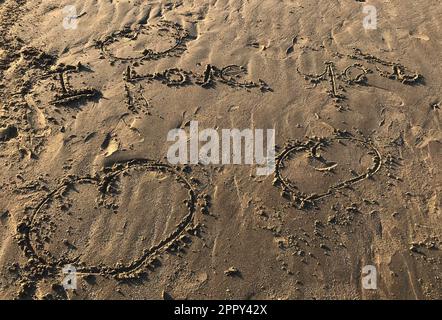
pixel 28 228
pixel 176 44
pixel 311 147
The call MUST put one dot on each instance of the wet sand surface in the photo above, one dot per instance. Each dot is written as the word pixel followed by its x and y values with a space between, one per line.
pixel 84 118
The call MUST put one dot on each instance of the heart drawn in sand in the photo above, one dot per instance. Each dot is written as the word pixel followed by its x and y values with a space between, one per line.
pixel 317 168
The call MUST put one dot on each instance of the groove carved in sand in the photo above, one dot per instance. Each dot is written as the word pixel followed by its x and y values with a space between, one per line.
pixel 45 260
pixel 175 77
pixel 137 102
pixel 65 94
pixel 311 148
pixel 164 29
pixel 356 74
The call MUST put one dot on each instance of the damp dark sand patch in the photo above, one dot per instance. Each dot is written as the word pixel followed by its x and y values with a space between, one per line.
pixel 8 133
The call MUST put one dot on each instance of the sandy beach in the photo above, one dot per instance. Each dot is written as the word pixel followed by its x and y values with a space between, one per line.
pixel 90 91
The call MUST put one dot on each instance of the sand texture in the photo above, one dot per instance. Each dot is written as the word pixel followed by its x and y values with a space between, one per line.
pixel 84 118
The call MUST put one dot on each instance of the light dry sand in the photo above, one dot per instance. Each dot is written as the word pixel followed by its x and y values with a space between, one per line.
pixel 75 112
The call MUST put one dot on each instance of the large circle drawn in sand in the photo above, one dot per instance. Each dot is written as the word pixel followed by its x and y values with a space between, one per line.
pixel 145 42
pixel 112 225
pixel 317 168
